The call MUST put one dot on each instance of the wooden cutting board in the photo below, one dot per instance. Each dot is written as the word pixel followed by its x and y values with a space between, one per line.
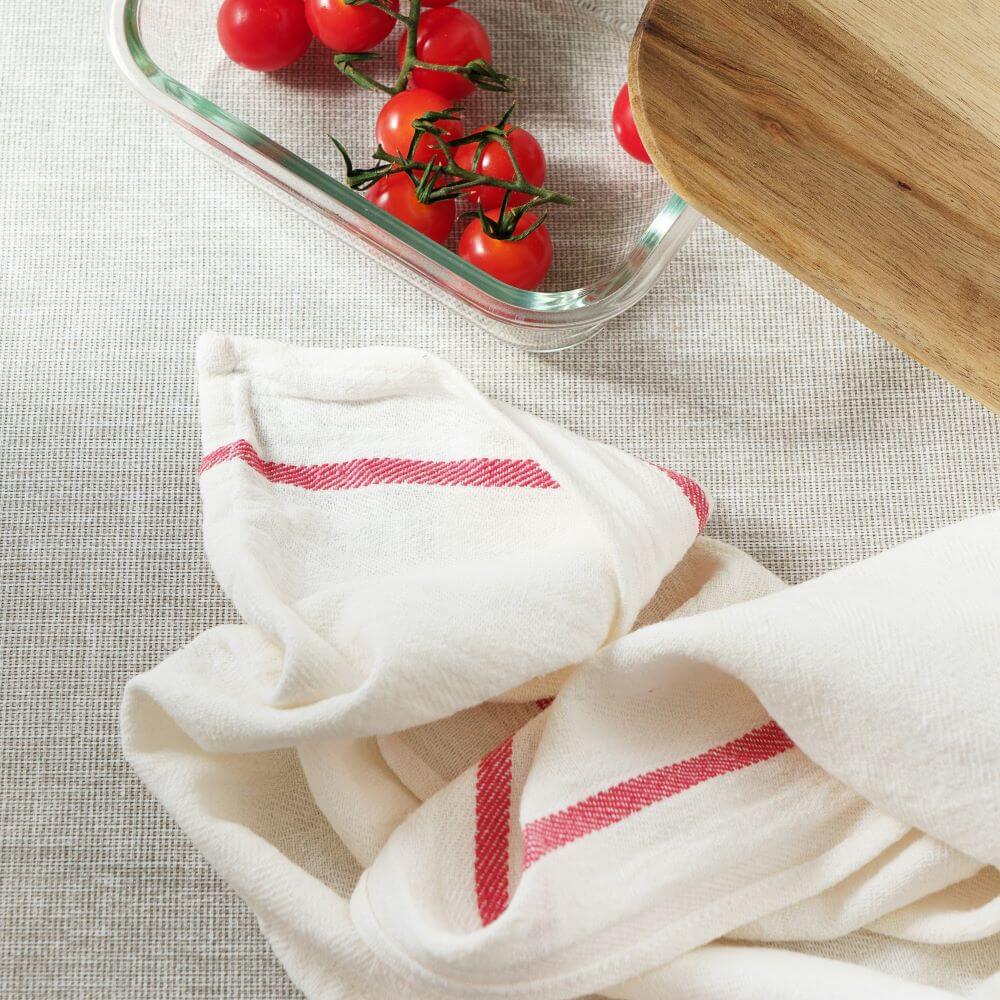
pixel 856 143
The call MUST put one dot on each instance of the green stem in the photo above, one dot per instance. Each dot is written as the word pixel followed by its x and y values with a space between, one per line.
pixel 505 143
pixel 469 179
pixel 410 52
pixel 440 67
pixel 380 5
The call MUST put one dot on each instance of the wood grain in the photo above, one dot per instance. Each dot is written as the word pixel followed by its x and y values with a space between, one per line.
pixel 855 142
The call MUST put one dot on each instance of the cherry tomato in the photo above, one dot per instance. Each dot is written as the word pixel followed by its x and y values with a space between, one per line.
pixel 496 163
pixel 263 34
pixel 625 131
pixel 427 4
pixel 349 28
pixel 394 128
pixel 397 196
pixel 523 264
pixel 448 37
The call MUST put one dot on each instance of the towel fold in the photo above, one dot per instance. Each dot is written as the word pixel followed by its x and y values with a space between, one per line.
pixel 501 723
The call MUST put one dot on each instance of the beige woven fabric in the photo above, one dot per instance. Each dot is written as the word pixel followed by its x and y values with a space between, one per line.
pixel 819 443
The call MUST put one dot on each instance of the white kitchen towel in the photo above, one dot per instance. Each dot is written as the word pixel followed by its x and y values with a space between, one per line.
pixel 498 724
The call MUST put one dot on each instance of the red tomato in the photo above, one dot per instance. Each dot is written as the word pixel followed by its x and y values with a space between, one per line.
pixel 396 195
pixel 263 34
pixel 523 264
pixel 448 37
pixel 496 163
pixel 427 4
pixel 394 128
pixel 349 28
pixel 625 130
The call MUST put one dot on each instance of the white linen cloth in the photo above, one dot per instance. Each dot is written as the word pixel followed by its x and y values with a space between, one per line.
pixel 511 792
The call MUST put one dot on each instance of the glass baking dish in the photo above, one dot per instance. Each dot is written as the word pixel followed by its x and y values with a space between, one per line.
pixel 274 129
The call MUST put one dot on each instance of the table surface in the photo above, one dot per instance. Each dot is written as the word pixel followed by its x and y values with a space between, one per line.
pixel 820 443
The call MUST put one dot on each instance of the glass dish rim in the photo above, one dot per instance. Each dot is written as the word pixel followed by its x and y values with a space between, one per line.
pixel 590 304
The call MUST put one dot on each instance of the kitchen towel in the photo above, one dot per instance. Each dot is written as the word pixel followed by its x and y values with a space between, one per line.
pixel 500 723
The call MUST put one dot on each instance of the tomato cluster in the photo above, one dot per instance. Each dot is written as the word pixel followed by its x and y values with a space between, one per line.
pixel 444 53
pixel 517 259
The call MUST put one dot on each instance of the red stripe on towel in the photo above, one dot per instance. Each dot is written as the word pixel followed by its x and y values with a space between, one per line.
pixel 493 790
pixel 356 473
pixel 614 804
pixel 694 493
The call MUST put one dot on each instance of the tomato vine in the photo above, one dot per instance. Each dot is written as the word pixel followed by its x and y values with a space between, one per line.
pixel 478 72
pixel 442 178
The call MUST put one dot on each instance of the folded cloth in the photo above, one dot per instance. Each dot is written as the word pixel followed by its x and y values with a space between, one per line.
pixel 499 723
